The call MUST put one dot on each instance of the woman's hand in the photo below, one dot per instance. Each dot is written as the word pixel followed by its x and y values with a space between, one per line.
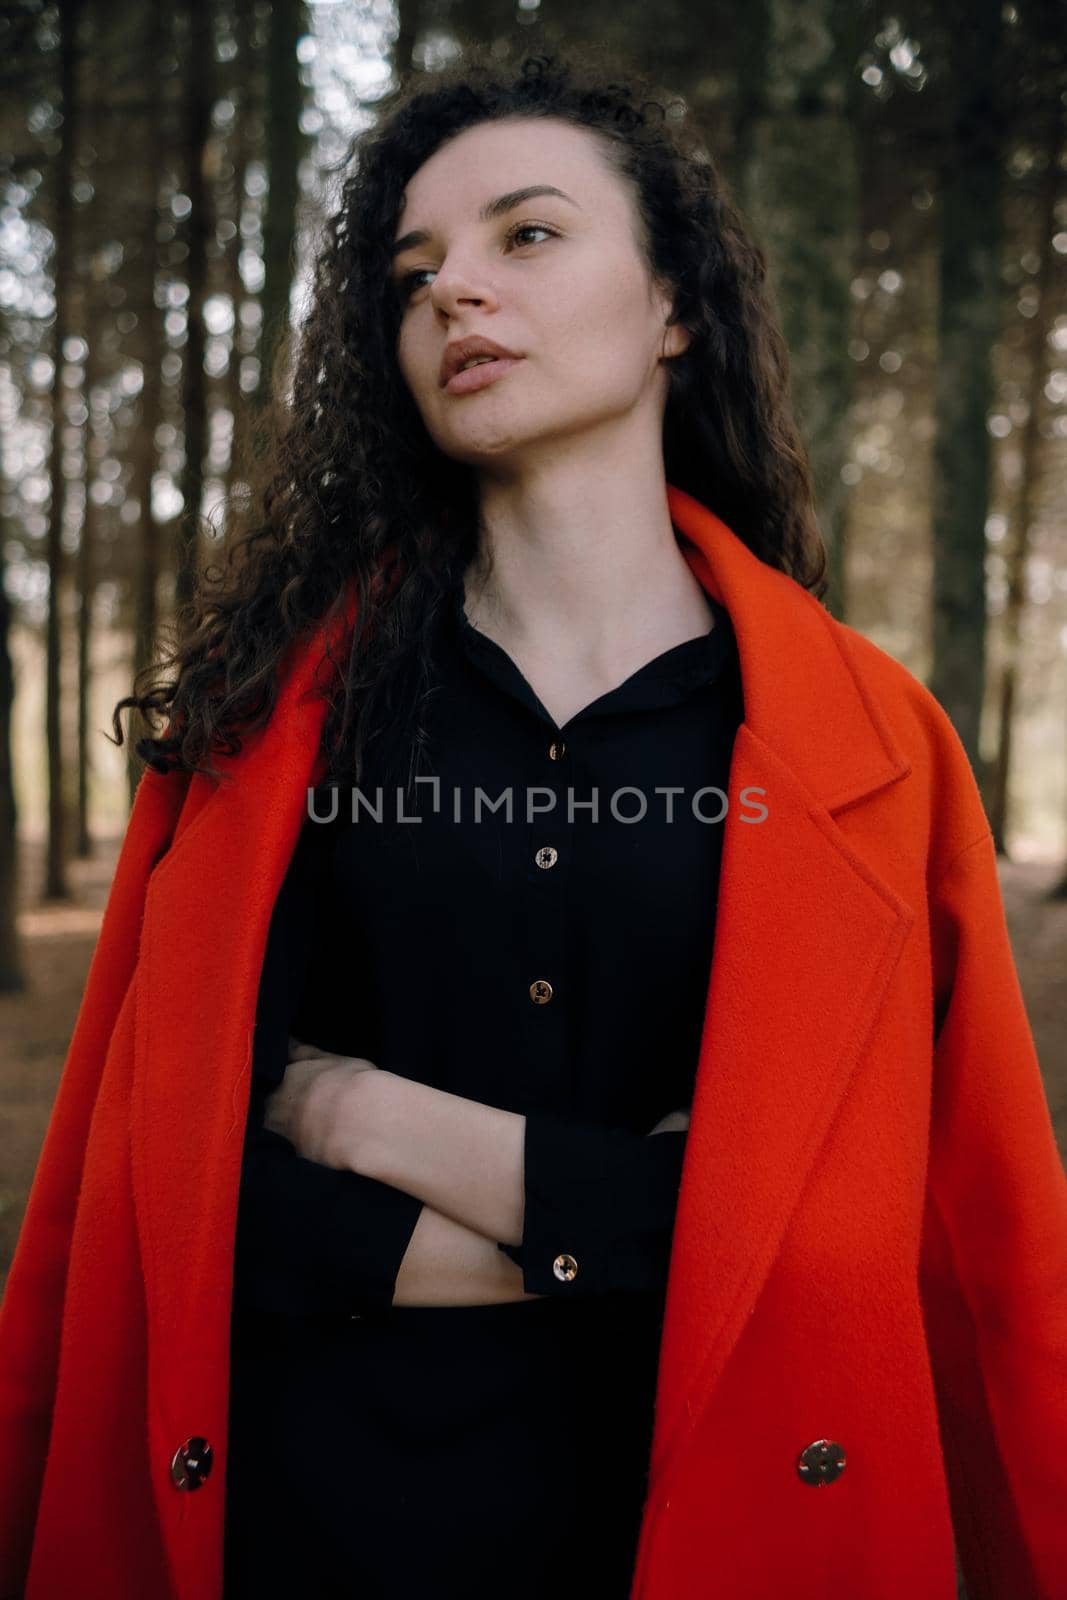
pixel 314 1106
pixel 673 1122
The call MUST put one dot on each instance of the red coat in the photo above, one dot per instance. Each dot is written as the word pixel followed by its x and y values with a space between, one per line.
pixel 865 1337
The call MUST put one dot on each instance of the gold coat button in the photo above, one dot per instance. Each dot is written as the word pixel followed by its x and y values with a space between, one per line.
pixel 191 1464
pixel 556 750
pixel 547 856
pixel 541 992
pixel 565 1268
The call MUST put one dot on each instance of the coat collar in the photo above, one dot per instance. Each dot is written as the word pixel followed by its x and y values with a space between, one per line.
pixel 776 1057
pixel 792 666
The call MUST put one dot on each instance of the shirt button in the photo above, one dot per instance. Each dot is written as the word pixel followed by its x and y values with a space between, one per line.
pixel 541 992
pixel 191 1464
pixel 556 750
pixel 565 1268
pixel 547 856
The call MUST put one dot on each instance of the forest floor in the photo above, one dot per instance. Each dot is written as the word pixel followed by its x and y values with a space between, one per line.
pixel 58 942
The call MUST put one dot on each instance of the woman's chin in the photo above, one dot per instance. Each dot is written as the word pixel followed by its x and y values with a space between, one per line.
pixel 487 439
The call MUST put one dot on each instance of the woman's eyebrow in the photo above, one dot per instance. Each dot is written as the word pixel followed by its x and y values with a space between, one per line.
pixel 491 209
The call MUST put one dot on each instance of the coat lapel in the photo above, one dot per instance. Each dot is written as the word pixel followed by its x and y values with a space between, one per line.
pixel 795 898
pixel 807 939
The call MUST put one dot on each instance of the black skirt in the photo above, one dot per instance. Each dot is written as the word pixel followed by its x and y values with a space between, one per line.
pixel 436 1452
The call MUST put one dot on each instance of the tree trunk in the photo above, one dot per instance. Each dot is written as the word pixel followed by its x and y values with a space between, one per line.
pixel 199 76
pixel 12 974
pixel 797 178
pixel 968 324
pixel 1038 329
pixel 143 464
pixel 86 580
pixel 245 74
pixel 285 147
pixel 56 886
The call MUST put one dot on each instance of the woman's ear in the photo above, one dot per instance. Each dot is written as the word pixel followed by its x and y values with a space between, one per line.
pixel 676 340
pixel 676 336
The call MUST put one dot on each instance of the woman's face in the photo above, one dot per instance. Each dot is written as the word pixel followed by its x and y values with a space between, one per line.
pixel 557 279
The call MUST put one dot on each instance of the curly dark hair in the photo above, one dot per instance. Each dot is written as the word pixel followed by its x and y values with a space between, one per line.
pixel 353 496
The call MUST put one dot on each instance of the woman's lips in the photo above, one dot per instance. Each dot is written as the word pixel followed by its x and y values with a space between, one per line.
pixel 477 377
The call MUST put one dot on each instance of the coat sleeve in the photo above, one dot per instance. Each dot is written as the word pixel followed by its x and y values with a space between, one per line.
pixel 310 1238
pixel 605 1196
pixel 994 1252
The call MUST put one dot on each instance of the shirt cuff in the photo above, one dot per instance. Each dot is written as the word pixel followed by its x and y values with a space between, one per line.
pixel 600 1204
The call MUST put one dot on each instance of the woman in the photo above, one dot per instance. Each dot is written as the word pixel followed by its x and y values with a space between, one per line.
pixel 841 1268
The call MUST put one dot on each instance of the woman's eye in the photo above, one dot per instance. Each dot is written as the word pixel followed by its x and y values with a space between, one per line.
pixel 408 283
pixel 530 227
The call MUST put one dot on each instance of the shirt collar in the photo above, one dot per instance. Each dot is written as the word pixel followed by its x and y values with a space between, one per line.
pixel 671 677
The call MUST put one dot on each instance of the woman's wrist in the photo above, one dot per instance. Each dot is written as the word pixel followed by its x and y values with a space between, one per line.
pixel 458 1155
pixel 447 1263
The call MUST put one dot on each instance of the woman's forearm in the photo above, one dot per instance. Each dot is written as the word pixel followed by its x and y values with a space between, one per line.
pixel 461 1157
pixel 464 1160
pixel 447 1264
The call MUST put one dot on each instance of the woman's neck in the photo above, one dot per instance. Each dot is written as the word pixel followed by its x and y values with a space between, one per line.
pixel 592 578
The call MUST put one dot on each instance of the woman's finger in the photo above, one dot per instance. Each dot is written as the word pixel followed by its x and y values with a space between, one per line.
pixel 299 1051
pixel 673 1122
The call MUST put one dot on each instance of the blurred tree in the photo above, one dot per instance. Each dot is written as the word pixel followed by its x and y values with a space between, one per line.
pixel 796 168
pixel 285 148
pixel 968 326
pixel 199 80
pixel 1039 334
pixel 94 432
pixel 56 886
pixel 12 973
pixel 407 18
pixel 150 49
pixel 246 94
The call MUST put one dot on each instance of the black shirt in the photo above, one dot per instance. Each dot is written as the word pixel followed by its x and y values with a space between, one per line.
pixel 553 961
